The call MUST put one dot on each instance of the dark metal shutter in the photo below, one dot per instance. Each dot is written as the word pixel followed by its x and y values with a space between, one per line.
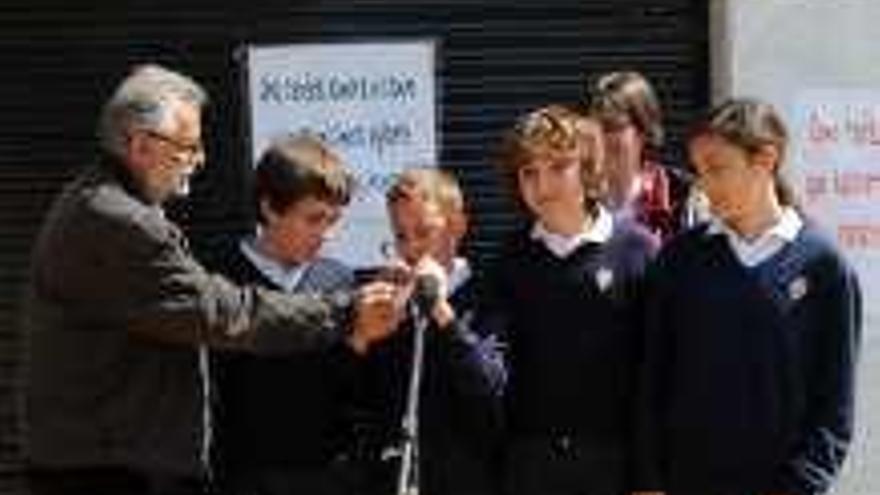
pixel 497 60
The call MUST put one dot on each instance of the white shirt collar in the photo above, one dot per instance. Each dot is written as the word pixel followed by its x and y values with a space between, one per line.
pixel 599 231
pixel 764 246
pixel 459 274
pixel 285 276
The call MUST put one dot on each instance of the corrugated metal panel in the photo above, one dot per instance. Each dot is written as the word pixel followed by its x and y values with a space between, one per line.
pixel 497 60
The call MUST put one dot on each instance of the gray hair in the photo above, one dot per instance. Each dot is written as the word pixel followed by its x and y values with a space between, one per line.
pixel 144 100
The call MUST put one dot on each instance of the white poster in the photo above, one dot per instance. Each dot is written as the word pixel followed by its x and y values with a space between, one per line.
pixel 836 157
pixel 373 103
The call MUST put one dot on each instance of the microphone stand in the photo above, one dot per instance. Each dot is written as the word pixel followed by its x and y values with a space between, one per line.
pixel 408 478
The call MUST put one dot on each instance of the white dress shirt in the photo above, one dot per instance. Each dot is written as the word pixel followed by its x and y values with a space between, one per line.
pixel 597 231
pixel 753 252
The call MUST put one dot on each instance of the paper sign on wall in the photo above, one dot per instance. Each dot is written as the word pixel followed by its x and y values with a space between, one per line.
pixel 836 170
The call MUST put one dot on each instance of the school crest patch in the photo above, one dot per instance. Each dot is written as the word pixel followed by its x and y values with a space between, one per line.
pixel 798 288
pixel 604 279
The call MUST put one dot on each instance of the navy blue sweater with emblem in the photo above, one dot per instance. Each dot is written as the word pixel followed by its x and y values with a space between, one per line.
pixel 748 377
pixel 572 334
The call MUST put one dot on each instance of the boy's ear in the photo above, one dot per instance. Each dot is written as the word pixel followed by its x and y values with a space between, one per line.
pixel 267 212
pixel 767 157
pixel 458 223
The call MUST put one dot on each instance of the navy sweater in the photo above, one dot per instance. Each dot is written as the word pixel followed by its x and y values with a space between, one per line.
pixel 460 403
pixel 748 378
pixel 287 411
pixel 571 328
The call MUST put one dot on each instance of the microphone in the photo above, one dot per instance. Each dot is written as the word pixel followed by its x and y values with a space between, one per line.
pixel 426 293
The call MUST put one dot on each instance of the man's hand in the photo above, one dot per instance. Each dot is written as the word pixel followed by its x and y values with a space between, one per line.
pixel 379 308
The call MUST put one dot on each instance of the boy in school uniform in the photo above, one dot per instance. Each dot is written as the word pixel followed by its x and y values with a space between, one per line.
pixel 567 287
pixel 281 422
pixel 459 416
pixel 752 329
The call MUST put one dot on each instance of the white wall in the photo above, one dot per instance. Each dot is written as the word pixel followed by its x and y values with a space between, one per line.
pixel 776 50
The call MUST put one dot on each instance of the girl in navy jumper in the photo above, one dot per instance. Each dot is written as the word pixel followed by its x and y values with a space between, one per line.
pixel 566 288
pixel 753 325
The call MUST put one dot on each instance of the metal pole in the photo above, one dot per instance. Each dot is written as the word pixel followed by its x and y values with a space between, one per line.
pixel 408 479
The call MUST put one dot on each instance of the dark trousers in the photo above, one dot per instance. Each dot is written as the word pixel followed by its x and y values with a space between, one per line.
pixel 110 481
pixel 327 480
pixel 563 465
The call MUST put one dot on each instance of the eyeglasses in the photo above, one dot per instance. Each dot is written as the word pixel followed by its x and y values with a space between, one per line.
pixel 191 150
